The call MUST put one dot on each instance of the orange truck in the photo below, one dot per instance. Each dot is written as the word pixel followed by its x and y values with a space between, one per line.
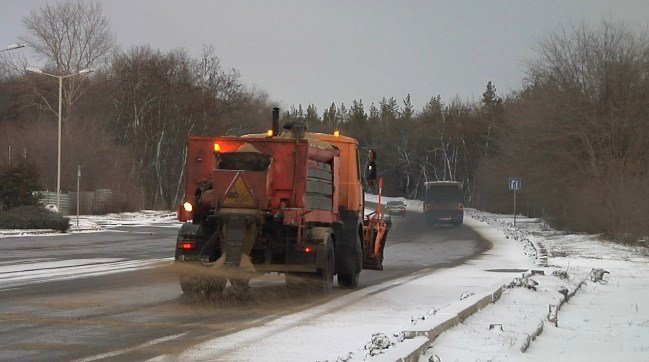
pixel 291 203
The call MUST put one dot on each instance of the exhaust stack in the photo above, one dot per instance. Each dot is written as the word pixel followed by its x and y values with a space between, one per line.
pixel 275 121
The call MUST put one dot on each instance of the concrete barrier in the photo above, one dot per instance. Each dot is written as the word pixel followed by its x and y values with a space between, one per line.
pixel 421 335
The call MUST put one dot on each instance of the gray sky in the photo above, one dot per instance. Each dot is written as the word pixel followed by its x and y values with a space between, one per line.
pixel 336 51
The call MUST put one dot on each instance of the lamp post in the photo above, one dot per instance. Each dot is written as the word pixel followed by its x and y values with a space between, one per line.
pixel 58 160
pixel 12 47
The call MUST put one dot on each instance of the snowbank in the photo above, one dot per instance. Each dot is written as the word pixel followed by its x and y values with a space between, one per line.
pixel 604 320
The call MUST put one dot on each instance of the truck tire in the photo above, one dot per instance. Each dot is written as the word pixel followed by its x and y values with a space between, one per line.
pixel 350 280
pixel 322 281
pixel 325 278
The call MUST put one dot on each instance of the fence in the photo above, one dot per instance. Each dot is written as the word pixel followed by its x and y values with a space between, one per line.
pixel 90 202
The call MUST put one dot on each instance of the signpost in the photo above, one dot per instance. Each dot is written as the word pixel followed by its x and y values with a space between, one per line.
pixel 78 180
pixel 514 185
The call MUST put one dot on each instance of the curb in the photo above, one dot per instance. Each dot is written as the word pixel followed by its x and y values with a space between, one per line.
pixel 420 336
pixel 28 232
pixel 32 232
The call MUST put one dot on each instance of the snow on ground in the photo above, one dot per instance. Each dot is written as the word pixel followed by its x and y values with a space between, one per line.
pixel 89 223
pixel 604 320
pixel 360 324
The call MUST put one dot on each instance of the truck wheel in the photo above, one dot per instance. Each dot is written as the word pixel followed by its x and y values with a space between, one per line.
pixel 350 281
pixel 325 276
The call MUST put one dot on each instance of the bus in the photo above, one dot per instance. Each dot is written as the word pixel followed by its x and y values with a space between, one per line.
pixel 444 202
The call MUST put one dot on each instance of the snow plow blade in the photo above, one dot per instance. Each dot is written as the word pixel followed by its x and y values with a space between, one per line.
pixel 375 229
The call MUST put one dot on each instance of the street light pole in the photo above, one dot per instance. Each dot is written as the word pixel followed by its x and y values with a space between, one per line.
pixel 58 158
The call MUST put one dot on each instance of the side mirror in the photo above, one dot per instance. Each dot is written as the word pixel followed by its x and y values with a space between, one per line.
pixel 370 170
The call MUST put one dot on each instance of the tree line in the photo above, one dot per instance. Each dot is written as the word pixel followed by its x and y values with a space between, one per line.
pixel 576 132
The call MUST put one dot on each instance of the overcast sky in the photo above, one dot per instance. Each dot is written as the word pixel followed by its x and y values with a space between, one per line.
pixel 336 51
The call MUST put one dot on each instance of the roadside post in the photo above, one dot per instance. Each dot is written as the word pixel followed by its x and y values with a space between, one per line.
pixel 78 181
pixel 514 185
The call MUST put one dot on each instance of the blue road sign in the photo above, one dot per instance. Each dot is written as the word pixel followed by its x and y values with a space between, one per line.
pixel 515 183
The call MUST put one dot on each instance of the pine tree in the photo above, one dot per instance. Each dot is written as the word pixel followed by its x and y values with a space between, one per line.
pixel 389 109
pixel 489 96
pixel 357 115
pixel 18 182
pixel 341 115
pixel 408 109
pixel 374 113
pixel 311 118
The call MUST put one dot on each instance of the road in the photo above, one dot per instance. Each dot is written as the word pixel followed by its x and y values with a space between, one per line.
pixel 112 295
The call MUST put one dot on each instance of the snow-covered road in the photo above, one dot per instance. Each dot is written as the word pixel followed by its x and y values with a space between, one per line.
pixel 31 271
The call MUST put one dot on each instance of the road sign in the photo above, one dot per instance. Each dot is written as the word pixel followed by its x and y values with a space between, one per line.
pixel 515 183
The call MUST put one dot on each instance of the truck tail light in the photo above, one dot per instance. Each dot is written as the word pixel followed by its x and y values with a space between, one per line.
pixel 186 245
pixel 308 249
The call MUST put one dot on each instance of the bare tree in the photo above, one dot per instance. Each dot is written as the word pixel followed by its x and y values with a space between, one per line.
pixel 162 98
pixel 68 37
pixel 578 131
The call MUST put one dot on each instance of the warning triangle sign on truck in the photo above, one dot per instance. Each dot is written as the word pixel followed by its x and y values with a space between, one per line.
pixel 238 194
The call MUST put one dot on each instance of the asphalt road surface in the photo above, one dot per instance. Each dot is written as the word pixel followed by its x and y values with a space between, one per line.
pixel 113 295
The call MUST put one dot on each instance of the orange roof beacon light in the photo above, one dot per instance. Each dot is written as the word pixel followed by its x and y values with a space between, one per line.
pixel 269 133
pixel 337 133
pixel 217 147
